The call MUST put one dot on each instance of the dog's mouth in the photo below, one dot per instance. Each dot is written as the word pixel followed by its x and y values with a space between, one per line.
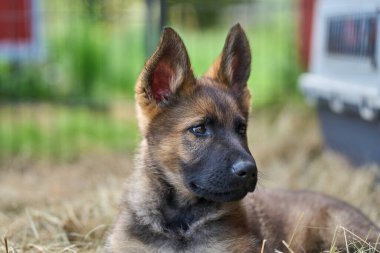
pixel 218 196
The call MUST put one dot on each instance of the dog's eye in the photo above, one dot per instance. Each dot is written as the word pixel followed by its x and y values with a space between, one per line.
pixel 242 129
pixel 199 130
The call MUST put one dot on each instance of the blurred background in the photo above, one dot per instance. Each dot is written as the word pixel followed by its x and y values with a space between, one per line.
pixel 68 130
pixel 72 63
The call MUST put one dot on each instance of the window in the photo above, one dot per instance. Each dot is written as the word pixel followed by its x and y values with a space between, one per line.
pixel 353 35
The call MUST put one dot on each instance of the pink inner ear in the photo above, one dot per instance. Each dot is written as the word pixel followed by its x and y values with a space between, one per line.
pixel 162 76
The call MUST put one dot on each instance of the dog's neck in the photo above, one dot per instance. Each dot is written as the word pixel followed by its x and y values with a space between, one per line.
pixel 180 217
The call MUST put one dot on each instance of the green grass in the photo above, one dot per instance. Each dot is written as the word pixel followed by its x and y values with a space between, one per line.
pixel 88 58
pixel 85 59
pixel 74 130
pixel 93 61
pixel 97 63
pixel 63 133
pixel 275 66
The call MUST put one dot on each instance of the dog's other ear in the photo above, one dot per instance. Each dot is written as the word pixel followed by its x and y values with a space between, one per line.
pixel 232 68
pixel 166 75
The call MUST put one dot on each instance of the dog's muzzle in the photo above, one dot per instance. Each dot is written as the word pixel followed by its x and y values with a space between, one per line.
pixel 235 185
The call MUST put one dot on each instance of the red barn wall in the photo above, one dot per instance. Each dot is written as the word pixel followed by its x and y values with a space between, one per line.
pixel 15 21
pixel 305 24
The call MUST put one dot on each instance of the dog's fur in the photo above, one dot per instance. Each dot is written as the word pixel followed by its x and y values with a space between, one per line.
pixel 194 168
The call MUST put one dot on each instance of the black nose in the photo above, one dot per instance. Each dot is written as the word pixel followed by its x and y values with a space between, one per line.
pixel 245 169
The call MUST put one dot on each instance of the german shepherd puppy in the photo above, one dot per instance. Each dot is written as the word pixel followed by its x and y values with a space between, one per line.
pixel 192 187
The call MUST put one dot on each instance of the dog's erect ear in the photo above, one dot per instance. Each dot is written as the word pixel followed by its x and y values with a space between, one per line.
pixel 233 66
pixel 166 70
pixel 166 74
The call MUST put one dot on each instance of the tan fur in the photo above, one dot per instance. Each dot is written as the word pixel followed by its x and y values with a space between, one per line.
pixel 156 193
pixel 212 72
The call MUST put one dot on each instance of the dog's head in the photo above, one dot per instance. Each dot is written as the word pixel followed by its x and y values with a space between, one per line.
pixel 195 129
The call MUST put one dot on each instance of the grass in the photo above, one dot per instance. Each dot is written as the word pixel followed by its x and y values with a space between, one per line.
pixel 63 133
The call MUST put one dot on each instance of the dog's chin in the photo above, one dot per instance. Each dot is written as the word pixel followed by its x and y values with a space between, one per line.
pixel 218 196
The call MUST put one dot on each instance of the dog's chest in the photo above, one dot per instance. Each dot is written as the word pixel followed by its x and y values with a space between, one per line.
pixel 185 229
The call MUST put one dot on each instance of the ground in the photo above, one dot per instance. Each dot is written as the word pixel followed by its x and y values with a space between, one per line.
pixel 68 206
